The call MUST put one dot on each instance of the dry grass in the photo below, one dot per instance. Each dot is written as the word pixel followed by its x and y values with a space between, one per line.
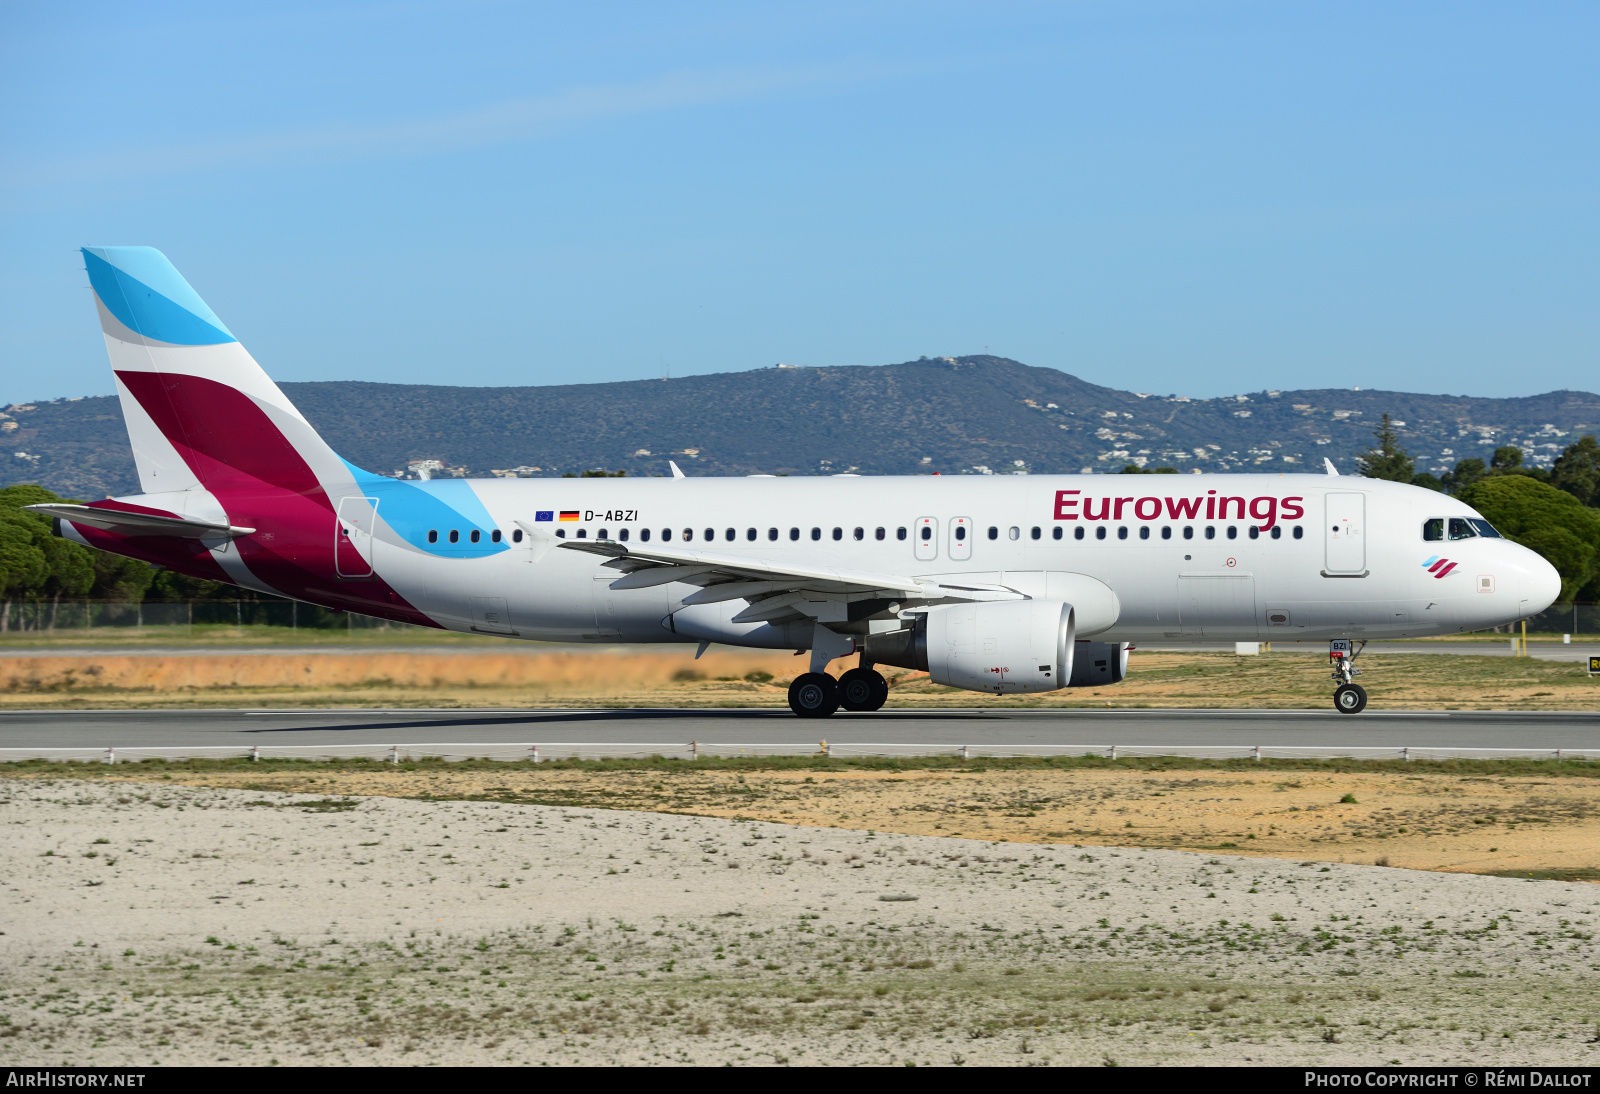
pixel 1423 817
pixel 671 677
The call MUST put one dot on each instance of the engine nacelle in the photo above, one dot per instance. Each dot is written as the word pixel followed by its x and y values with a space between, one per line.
pixel 1003 647
pixel 1097 663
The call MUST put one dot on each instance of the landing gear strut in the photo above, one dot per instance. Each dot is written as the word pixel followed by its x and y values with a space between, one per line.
pixel 1349 697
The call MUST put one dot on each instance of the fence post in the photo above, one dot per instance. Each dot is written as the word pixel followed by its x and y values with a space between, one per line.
pixel 825 751
pixel 1558 755
pixel 966 752
pixel 255 754
pixel 1113 752
pixel 1258 753
pixel 394 754
pixel 535 753
pixel 694 750
pixel 1405 753
pixel 111 755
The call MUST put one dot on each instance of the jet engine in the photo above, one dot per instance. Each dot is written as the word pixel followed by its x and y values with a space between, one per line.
pixel 1003 647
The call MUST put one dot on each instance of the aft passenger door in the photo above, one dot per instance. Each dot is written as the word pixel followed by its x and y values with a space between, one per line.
pixel 352 537
pixel 1345 531
pixel 960 538
pixel 926 538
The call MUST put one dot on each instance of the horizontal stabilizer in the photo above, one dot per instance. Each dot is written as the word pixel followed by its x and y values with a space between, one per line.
pixel 138 524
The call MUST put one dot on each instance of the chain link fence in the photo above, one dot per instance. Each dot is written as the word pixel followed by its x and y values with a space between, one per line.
pixel 67 616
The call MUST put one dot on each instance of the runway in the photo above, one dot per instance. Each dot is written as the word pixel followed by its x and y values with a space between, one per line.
pixel 512 733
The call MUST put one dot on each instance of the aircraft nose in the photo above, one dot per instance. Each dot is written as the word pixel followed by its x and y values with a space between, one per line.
pixel 1540 584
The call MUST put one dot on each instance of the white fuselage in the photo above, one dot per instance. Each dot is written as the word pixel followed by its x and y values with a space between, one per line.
pixel 1349 557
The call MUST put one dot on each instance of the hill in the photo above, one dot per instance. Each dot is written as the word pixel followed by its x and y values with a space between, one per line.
pixel 963 415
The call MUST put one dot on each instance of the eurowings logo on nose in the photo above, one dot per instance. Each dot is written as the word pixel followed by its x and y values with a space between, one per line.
pixel 1438 567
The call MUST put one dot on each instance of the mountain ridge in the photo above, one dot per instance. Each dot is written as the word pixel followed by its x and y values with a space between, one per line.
pixel 952 415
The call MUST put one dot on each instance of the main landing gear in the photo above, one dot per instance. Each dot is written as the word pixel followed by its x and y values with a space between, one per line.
pixel 817 695
pixel 1349 697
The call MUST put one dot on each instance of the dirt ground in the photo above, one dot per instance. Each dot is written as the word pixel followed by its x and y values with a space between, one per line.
pixel 1426 818
pixel 156 923
pixel 1295 678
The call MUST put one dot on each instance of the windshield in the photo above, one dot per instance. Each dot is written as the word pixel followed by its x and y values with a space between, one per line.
pixel 1486 529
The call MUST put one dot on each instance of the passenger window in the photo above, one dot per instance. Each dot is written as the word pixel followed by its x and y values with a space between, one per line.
pixel 1211 532
pixel 1298 531
pixel 601 534
pixel 475 536
pixel 772 534
pixel 1055 533
pixel 561 533
pixel 711 535
pixel 927 533
pixel 1255 533
pixel 455 536
pixel 961 533
pixel 433 535
pixel 494 536
pixel 860 533
pixel 1100 532
pixel 644 535
pixel 1461 529
pixel 879 534
pixel 688 534
pixel 1034 532
pixel 1014 532
pixel 1077 533
pixel 1277 532
pixel 730 535
pixel 622 535
pixel 794 534
pixel 1122 532
pixel 750 534
pixel 1486 530
pixel 838 534
pixel 1188 531
pixel 816 534
pixel 900 533
pixel 1166 532
pixel 1432 529
pixel 666 535
pixel 516 537
pixel 1233 533
pixel 583 533
pixel 1144 531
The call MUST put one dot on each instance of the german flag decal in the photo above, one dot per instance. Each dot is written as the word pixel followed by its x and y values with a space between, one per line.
pixel 569 514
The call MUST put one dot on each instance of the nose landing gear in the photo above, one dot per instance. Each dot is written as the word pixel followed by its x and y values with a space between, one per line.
pixel 1349 697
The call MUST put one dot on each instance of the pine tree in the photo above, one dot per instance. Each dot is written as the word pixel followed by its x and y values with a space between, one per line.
pixel 1387 460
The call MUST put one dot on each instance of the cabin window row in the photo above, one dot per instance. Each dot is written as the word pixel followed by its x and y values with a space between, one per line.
pixel 474 535
pixel 731 535
pixel 1254 531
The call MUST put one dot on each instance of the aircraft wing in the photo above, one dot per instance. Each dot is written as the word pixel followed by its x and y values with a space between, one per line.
pixel 774 590
pixel 138 524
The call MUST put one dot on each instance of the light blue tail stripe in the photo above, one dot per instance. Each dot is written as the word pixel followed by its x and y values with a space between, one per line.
pixel 148 296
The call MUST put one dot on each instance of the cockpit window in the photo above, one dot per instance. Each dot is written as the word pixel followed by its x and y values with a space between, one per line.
pixel 1461 528
pixel 1485 529
pixel 1433 528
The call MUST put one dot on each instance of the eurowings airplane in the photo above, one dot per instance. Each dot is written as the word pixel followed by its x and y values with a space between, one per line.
pixel 999 585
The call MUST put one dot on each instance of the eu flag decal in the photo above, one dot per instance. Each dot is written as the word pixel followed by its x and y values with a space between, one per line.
pixel 544 514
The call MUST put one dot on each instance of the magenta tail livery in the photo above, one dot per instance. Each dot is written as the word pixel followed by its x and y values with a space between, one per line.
pixel 1000 585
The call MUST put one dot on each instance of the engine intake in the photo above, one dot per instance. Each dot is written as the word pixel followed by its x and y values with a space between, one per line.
pixel 1003 647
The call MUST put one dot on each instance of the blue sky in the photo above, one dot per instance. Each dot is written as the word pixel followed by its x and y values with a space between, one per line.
pixel 1194 198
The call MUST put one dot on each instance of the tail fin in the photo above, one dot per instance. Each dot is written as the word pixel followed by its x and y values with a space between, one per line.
pixel 200 411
